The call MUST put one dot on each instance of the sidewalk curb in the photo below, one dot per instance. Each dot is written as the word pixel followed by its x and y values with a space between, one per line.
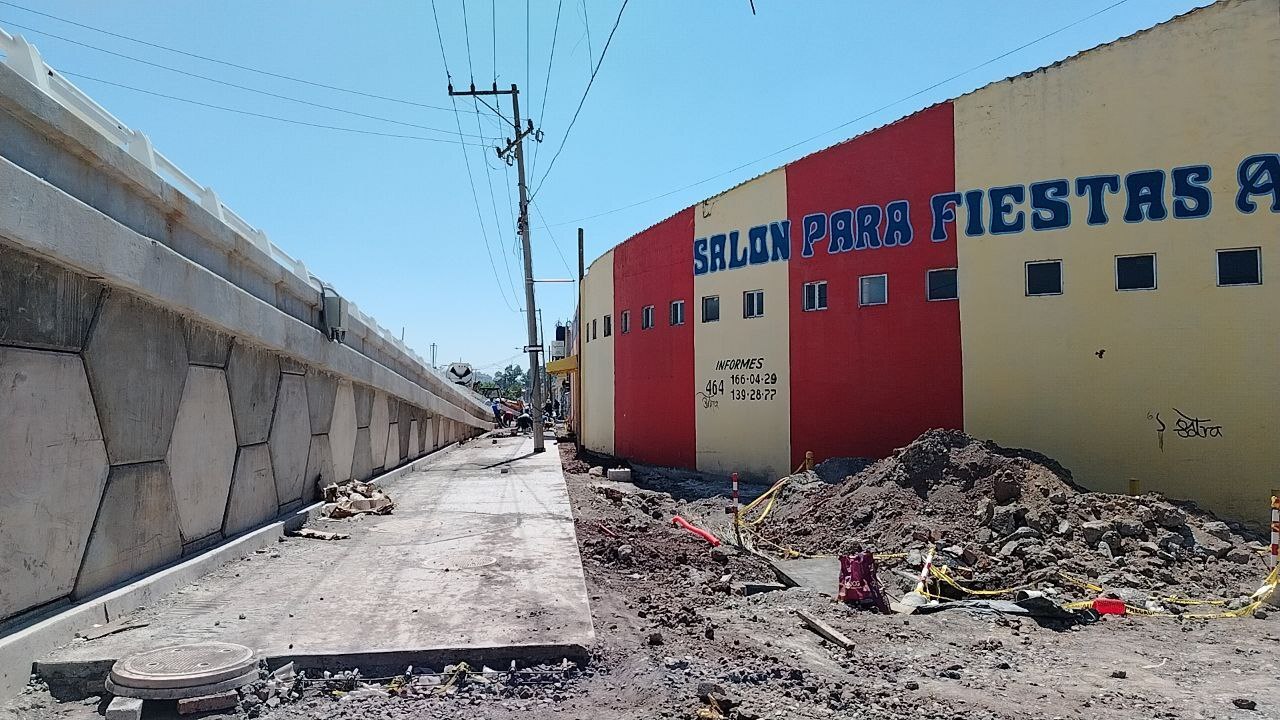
pixel 20 650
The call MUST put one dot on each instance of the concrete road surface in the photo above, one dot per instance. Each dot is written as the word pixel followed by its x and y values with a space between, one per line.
pixel 479 561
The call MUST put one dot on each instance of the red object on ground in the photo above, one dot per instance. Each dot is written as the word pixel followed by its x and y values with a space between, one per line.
pixel 1109 606
pixel 859 582
pixel 715 542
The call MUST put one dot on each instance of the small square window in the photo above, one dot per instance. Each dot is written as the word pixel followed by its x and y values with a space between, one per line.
pixel 626 321
pixel 873 290
pixel 1044 277
pixel 753 304
pixel 941 285
pixel 1240 267
pixel 710 308
pixel 646 317
pixel 1136 272
pixel 608 325
pixel 815 296
pixel 677 312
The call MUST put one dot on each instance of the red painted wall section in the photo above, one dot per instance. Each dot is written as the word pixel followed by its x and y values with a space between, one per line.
pixel 653 369
pixel 866 380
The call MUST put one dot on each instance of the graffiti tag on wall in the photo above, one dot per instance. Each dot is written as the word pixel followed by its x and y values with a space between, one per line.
pixel 1185 426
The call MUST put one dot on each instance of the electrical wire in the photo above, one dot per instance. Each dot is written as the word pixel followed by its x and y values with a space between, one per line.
pixel 546 85
pixel 555 242
pixel 264 116
pixel 847 123
pixel 590 82
pixel 475 197
pixel 488 176
pixel 227 63
pixel 586 28
pixel 226 83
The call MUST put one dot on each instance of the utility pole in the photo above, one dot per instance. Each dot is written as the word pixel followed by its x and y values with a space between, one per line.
pixel 516 147
pixel 579 406
pixel 433 355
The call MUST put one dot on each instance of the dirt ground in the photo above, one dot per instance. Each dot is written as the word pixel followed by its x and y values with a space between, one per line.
pixel 676 638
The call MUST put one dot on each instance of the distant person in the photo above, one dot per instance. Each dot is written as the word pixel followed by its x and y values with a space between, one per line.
pixel 546 409
pixel 497 413
pixel 555 409
pixel 524 422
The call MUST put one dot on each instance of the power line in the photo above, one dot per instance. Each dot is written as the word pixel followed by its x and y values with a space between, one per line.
pixel 227 63
pixel 843 125
pixel 569 129
pixel 250 113
pixel 554 242
pixel 546 85
pixel 586 28
pixel 475 197
pixel 488 175
pixel 237 86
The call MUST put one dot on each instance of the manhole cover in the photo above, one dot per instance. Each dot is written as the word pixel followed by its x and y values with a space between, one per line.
pixel 181 666
pixel 461 561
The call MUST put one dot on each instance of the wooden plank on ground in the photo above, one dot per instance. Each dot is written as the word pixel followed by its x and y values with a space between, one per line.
pixel 825 630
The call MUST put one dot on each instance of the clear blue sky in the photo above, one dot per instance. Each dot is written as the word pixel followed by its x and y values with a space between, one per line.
pixel 687 91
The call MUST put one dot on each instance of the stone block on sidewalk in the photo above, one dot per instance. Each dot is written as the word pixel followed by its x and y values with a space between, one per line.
pixel 123 708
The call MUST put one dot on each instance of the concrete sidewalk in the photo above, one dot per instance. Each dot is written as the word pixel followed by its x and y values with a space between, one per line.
pixel 479 561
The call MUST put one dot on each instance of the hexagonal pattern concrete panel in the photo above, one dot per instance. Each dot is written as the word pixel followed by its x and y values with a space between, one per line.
pixel 202 453
pixel 319 468
pixel 362 459
pixel 404 418
pixel 290 437
pixel 253 377
pixel 136 529
pixel 46 306
pixel 137 362
pixel 321 391
pixel 53 471
pixel 253 498
pixel 364 405
pixel 414 452
pixel 391 459
pixel 378 425
pixel 206 346
pixel 342 431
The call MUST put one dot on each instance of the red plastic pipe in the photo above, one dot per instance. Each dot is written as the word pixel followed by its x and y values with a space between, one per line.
pixel 712 539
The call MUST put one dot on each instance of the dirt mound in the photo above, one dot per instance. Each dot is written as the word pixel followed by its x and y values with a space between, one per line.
pixel 1015 516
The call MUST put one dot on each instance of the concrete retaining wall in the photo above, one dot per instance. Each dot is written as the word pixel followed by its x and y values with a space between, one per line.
pixel 164 384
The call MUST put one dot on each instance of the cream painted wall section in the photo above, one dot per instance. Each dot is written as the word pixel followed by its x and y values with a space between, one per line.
pixel 596 362
pixel 1089 376
pixel 747 431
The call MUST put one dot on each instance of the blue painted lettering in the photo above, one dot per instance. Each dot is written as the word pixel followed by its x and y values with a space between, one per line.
pixel 943 206
pixel 1144 190
pixel 897 226
pixel 1049 208
pixel 700 256
pixel 1191 199
pixel 1258 175
pixel 1095 186
pixel 815 228
pixel 841 232
pixel 780 234
pixel 868 233
pixel 1003 199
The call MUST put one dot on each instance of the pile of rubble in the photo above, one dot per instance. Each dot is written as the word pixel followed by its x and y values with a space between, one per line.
pixel 1015 517
pixel 355 498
